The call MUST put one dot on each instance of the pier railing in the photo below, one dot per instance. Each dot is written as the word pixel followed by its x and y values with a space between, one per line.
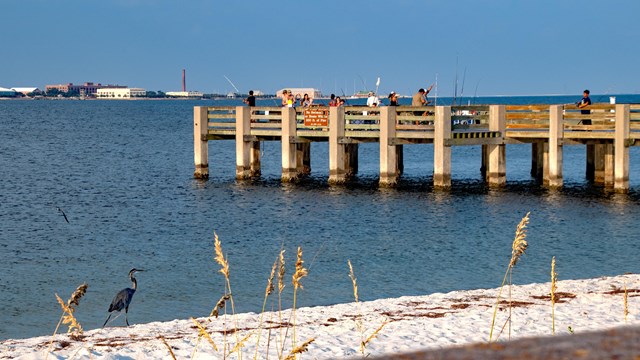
pixel 547 127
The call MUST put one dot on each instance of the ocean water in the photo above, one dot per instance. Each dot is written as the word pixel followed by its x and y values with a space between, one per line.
pixel 122 173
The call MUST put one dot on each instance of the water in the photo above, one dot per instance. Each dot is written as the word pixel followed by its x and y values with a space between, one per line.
pixel 122 172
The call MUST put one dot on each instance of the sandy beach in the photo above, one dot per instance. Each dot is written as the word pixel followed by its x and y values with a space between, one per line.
pixel 405 325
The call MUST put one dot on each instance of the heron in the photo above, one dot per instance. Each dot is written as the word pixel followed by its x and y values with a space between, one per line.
pixel 122 300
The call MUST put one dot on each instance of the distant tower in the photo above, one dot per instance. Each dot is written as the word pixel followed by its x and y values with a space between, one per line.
pixel 184 81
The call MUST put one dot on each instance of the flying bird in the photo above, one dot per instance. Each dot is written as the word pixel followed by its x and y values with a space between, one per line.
pixel 122 300
pixel 63 214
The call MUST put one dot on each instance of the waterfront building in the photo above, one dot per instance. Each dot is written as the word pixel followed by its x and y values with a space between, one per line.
pixel 120 93
pixel 185 94
pixel 86 89
pixel 4 92
pixel 27 90
pixel 299 92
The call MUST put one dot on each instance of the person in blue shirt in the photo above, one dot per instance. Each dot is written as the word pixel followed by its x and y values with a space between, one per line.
pixel 583 103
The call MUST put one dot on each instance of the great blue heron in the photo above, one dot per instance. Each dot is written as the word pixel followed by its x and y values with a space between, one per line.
pixel 122 300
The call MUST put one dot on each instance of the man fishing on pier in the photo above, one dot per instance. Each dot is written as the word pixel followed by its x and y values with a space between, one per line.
pixel 583 103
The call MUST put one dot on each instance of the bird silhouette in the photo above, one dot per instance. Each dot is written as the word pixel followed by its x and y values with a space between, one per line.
pixel 122 300
pixel 63 214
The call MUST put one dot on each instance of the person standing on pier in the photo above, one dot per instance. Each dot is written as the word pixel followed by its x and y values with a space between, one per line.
pixel 332 101
pixel 583 103
pixel 250 100
pixel 393 99
pixel 420 98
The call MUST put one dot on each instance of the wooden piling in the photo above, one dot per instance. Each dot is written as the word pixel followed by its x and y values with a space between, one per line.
pixel 608 166
pixel 556 134
pixel 496 153
pixel 591 162
pixel 598 164
pixel 442 148
pixel 200 142
pixel 389 169
pixel 621 151
pixel 289 145
pixel 337 164
pixel 303 158
pixel 243 144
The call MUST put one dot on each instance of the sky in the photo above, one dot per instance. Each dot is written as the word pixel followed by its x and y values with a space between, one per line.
pixel 486 47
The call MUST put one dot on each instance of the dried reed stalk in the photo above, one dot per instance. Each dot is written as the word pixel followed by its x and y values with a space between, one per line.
pixel 224 269
pixel 299 350
pixel 267 291
pixel 554 289
pixel 202 333
pixel 164 341
pixel 281 285
pixel 240 344
pixel 517 250
pixel 626 301
pixel 67 314
pixel 372 336
pixel 219 305
pixel 297 276
pixel 358 319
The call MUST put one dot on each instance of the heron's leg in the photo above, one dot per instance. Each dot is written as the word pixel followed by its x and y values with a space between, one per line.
pixel 106 321
pixel 126 312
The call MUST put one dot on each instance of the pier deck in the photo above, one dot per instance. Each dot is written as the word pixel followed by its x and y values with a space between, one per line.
pixel 613 129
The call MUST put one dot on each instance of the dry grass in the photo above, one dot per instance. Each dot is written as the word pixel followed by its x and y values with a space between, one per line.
pixel 554 290
pixel 202 333
pixel 517 250
pixel 626 302
pixel 267 291
pixel 219 305
pixel 164 341
pixel 224 269
pixel 299 350
pixel 67 317
pixel 295 280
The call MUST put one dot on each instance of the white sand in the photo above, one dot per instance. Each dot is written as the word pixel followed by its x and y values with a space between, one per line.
pixel 412 323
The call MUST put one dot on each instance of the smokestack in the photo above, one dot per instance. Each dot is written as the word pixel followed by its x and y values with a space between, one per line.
pixel 184 81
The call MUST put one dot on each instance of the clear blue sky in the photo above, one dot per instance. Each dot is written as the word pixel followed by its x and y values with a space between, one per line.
pixel 507 47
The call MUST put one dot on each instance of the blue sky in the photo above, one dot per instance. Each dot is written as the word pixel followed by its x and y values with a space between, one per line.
pixel 501 47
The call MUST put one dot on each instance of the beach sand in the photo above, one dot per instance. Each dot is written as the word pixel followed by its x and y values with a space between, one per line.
pixel 436 326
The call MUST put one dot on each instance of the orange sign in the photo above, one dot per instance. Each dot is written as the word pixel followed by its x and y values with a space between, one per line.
pixel 316 117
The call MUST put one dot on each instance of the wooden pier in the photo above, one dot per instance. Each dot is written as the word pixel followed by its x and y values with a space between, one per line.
pixel 548 128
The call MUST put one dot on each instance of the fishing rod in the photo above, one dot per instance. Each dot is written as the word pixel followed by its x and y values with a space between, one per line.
pixel 436 96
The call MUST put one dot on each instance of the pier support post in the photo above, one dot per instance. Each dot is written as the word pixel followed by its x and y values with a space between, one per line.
pixel 621 173
pixel 337 160
pixel 598 163
pixel 389 169
pixel 537 160
pixel 608 166
pixel 591 162
pixel 484 149
pixel 497 164
pixel 289 147
pixel 200 142
pixel 244 148
pixel 554 156
pixel 254 159
pixel 442 148
pixel 303 160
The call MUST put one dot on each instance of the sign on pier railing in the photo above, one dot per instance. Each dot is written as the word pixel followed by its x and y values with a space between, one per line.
pixel 316 117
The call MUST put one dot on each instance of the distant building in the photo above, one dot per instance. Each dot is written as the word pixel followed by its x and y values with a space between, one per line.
pixel 86 89
pixel 27 90
pixel 4 92
pixel 184 94
pixel 299 92
pixel 120 93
